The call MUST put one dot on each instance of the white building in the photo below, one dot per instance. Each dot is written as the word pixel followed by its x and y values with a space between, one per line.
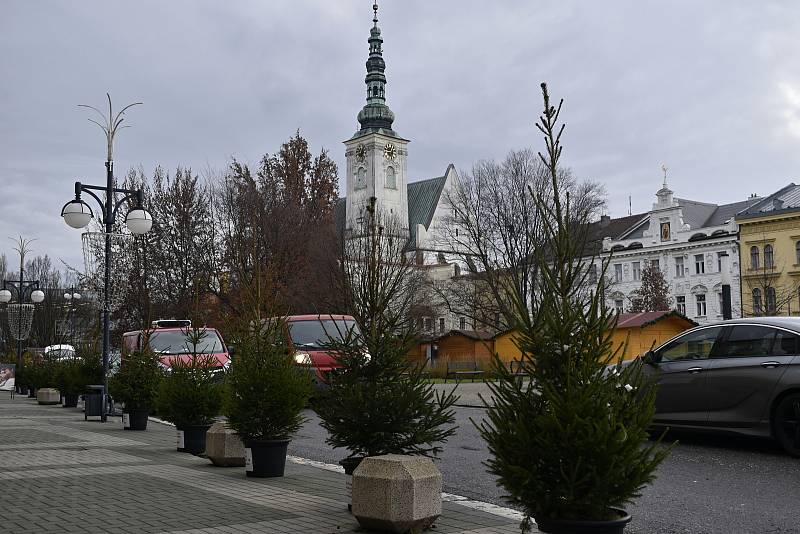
pixel 377 171
pixel 687 240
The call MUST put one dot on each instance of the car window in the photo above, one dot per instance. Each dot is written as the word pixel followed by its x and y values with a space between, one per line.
pixel 786 344
pixel 746 341
pixel 695 345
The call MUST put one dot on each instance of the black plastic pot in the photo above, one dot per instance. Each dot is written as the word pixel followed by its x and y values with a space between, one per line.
pixel 194 438
pixel 265 458
pixel 70 400
pixel 135 419
pixel 350 464
pixel 571 526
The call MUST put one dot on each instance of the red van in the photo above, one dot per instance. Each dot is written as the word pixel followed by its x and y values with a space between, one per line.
pixel 169 339
pixel 308 334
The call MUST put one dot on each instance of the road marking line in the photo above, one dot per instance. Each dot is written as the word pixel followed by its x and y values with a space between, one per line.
pixel 446 497
pixel 487 507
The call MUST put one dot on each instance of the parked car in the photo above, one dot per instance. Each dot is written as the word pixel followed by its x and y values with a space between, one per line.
pixel 740 376
pixel 307 336
pixel 170 339
pixel 59 352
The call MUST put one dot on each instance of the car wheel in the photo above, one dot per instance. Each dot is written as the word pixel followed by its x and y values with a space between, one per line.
pixel 786 424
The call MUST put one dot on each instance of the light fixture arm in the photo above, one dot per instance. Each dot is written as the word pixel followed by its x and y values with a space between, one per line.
pixel 138 194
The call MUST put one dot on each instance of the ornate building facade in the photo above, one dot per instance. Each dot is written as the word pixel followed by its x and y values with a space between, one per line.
pixel 688 241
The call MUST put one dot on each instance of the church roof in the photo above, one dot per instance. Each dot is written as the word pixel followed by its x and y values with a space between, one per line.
pixel 423 197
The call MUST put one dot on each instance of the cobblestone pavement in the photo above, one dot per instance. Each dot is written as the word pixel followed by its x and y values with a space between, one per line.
pixel 61 474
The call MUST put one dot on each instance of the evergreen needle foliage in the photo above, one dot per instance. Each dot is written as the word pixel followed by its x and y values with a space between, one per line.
pixel 190 393
pixel 265 392
pixel 653 294
pixel 137 382
pixel 571 442
pixel 379 402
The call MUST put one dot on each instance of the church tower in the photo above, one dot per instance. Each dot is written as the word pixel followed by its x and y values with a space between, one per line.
pixel 376 155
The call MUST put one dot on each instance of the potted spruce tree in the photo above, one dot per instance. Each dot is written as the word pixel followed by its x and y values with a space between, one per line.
pixel 135 386
pixel 379 402
pixel 70 380
pixel 265 394
pixel 190 395
pixel 570 446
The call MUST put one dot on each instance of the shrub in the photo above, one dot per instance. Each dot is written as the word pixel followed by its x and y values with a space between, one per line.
pixel 137 382
pixel 265 392
pixel 190 394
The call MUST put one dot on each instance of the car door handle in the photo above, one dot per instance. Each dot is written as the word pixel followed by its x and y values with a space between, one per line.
pixel 770 365
pixel 694 369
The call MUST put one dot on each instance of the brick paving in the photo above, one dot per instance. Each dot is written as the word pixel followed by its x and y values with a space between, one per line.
pixel 61 474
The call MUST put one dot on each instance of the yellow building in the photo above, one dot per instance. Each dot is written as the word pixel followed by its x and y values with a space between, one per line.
pixel 769 249
pixel 646 330
pixel 505 346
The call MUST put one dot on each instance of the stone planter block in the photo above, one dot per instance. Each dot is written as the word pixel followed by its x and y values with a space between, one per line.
pixel 48 396
pixel 397 493
pixel 224 447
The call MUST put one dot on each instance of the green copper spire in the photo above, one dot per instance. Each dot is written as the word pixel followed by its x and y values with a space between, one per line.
pixel 376 115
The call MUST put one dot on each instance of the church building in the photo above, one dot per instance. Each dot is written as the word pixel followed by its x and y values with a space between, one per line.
pixel 377 171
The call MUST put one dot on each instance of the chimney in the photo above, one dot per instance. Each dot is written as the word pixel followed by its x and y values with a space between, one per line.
pixel 605 220
pixel 777 204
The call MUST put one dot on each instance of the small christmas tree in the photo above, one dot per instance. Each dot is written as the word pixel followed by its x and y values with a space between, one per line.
pixel 379 402
pixel 570 443
pixel 653 295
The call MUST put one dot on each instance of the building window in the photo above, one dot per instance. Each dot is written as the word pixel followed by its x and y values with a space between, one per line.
pixel 754 260
pixel 681 304
pixel 719 301
pixel 719 261
pixel 699 264
pixel 618 305
pixel 462 323
pixel 592 275
pixel 637 271
pixel 797 252
pixel 757 301
pixel 391 179
pixel 441 324
pixel 654 264
pixel 769 298
pixel 361 178
pixel 618 272
pixel 700 301
pixel 769 257
pixel 679 272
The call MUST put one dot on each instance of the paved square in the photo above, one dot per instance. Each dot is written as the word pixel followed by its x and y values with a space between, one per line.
pixel 63 474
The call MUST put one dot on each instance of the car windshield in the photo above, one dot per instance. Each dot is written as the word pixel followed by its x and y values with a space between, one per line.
pixel 317 333
pixel 178 342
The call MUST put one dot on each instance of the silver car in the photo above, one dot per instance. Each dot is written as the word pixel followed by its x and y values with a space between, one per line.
pixel 741 376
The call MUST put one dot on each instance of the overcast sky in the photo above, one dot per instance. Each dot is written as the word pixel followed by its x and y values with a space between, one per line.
pixel 710 88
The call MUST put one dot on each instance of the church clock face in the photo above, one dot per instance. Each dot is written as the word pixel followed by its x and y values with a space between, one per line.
pixel 361 152
pixel 389 152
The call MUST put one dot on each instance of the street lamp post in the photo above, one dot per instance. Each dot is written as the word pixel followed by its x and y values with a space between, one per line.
pixel 23 289
pixel 72 297
pixel 77 214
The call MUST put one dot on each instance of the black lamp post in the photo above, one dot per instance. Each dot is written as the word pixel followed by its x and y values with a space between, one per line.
pixel 77 214
pixel 23 289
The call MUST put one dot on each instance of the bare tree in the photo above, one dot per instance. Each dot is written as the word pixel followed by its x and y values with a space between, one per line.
pixel 496 231
pixel 653 294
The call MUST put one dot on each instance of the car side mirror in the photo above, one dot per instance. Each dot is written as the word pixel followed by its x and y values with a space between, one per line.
pixel 651 358
pixel 231 350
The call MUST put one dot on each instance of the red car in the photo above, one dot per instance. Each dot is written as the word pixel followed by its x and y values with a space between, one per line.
pixel 170 339
pixel 308 334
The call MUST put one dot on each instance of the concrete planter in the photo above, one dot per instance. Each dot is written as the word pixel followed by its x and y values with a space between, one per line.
pixel 48 396
pixel 224 447
pixel 397 493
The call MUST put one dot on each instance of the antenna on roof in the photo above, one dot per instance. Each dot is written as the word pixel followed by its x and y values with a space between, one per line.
pixel 630 206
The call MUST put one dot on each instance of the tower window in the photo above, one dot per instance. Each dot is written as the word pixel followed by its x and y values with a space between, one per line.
pixel 361 178
pixel 391 179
